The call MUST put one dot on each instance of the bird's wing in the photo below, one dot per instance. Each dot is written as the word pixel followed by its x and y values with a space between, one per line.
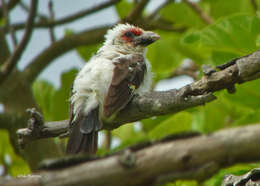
pixel 127 76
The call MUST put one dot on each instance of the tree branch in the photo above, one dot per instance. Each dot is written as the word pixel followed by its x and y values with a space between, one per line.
pixel 4 52
pixel 10 5
pixel 51 14
pixel 254 5
pixel 157 10
pixel 87 37
pixel 165 102
pixel 205 18
pixel 137 11
pixel 7 23
pixel 68 19
pixel 27 9
pixel 184 158
pixel 12 61
pixel 60 47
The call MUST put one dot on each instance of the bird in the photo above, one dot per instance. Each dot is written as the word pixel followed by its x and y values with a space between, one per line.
pixel 107 83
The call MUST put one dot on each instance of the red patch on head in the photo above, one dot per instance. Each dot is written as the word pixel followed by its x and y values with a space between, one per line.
pixel 136 31
pixel 129 34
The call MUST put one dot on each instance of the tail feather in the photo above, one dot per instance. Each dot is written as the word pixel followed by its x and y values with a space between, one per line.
pixel 83 137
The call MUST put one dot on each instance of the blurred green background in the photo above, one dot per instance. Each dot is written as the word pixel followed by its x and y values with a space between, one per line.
pixel 235 32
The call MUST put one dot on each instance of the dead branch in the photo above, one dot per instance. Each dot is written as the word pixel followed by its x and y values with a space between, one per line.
pixel 185 158
pixel 12 61
pixel 165 102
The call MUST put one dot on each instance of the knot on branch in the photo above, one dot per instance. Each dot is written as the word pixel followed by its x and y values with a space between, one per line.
pixel 127 159
pixel 249 66
pixel 250 178
pixel 34 127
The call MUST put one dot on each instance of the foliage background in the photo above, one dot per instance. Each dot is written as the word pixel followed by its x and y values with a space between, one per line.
pixel 235 32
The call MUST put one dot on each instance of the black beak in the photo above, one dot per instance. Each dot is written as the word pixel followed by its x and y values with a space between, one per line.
pixel 146 39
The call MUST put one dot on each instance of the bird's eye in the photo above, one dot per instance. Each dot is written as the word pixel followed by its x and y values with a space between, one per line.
pixel 129 34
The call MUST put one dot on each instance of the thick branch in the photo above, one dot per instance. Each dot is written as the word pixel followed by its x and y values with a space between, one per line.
pixel 12 61
pixel 70 18
pixel 164 161
pixel 166 102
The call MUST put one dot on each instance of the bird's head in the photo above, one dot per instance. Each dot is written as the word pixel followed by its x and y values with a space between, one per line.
pixel 129 38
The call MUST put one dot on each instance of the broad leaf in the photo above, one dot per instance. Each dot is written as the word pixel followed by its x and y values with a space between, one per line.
pixel 180 122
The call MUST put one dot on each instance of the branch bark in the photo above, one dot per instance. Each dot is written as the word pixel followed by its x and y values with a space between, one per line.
pixel 165 102
pixel 60 47
pixel 186 158
pixel 68 19
pixel 12 61
pixel 137 11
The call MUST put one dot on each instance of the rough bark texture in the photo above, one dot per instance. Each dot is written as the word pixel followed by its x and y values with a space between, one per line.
pixel 165 102
pixel 197 157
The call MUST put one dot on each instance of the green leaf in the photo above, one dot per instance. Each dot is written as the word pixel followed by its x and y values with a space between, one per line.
pixel 123 8
pixel 220 57
pixel 249 118
pixel 180 122
pixel 60 101
pixel 163 65
pixel 247 95
pixel 181 14
pixel 238 169
pixel 150 123
pixel 235 34
pixel 85 52
pixel 2 22
pixel 16 166
pixel 128 135
pixel 223 8
pixel 43 92
pixel 192 37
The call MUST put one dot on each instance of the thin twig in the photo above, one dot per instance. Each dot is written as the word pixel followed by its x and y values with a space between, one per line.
pixel 7 23
pixel 195 7
pixel 157 10
pixel 60 47
pixel 70 18
pixel 254 4
pixel 107 142
pixel 137 11
pixel 12 61
pixel 10 5
pixel 51 13
pixel 27 9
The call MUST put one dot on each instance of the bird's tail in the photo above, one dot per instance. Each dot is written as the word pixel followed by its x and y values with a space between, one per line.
pixel 84 136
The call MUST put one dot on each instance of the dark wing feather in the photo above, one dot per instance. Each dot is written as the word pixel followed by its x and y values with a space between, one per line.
pixel 127 76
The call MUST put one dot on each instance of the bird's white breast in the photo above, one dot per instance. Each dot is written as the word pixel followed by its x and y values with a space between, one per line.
pixel 92 83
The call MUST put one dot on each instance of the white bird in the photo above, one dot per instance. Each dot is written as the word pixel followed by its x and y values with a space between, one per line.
pixel 107 83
